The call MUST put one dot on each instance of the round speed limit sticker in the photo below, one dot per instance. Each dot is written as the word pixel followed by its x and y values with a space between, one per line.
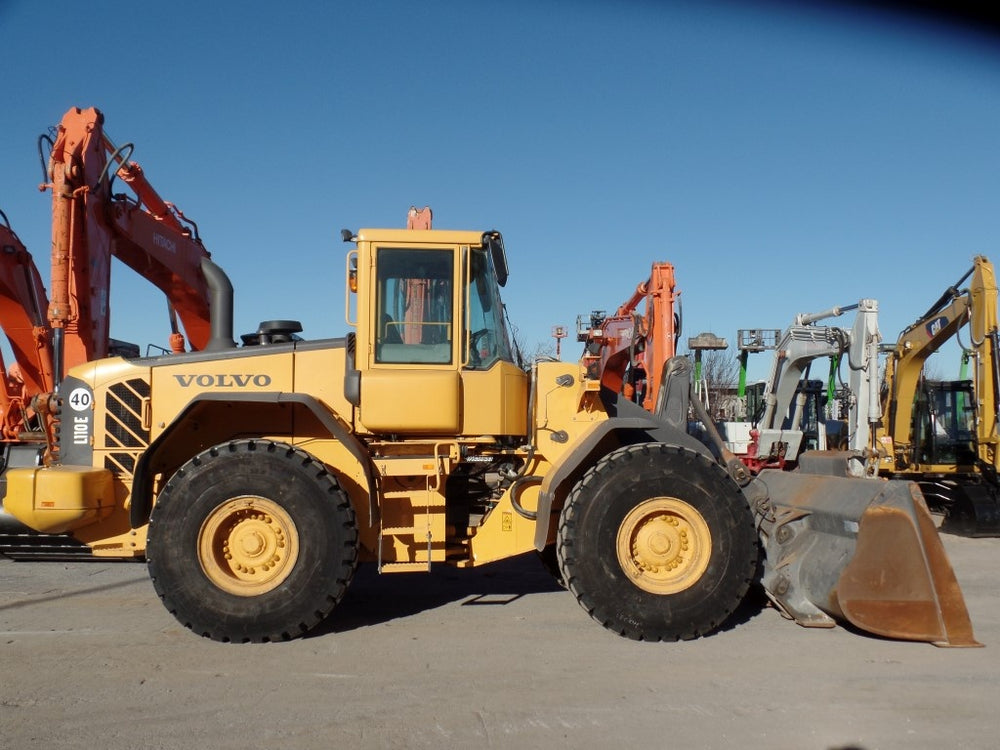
pixel 79 399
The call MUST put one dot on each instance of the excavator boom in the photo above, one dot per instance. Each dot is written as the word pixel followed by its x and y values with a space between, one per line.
pixel 23 302
pixel 626 351
pixel 777 439
pixel 91 224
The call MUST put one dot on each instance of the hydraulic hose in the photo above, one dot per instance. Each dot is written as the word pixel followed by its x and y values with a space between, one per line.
pixel 521 510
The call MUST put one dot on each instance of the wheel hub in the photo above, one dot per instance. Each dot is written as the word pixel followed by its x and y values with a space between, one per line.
pixel 664 545
pixel 660 543
pixel 248 545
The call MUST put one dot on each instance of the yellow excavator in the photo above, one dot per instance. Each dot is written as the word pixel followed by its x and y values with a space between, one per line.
pixel 255 478
pixel 943 434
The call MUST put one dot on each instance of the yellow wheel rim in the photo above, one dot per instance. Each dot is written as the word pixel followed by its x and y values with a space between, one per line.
pixel 664 545
pixel 248 545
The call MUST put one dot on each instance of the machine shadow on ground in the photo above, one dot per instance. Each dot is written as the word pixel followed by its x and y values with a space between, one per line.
pixel 374 599
pixel 139 579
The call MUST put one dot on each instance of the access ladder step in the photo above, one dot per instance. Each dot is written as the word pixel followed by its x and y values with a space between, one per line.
pixel 405 567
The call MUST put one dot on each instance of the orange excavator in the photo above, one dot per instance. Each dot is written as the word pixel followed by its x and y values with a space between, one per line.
pixel 626 351
pixel 49 334
pixel 23 302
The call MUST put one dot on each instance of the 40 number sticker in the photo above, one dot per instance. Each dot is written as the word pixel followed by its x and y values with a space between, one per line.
pixel 80 399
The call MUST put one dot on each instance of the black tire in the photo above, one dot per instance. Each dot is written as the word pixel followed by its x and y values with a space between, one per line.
pixel 550 561
pixel 252 541
pixel 657 543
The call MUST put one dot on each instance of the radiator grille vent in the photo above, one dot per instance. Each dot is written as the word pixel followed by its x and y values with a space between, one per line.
pixel 123 424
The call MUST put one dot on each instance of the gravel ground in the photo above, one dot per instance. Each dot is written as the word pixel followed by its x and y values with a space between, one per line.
pixel 497 657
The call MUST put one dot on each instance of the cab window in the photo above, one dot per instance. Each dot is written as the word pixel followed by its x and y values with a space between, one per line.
pixel 486 340
pixel 414 306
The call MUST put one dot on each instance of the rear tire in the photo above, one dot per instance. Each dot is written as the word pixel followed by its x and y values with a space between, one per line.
pixel 252 541
pixel 657 543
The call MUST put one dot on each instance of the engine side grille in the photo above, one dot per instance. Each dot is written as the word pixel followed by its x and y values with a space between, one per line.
pixel 123 424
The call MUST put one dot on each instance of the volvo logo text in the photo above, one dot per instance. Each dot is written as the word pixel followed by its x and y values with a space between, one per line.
pixel 231 380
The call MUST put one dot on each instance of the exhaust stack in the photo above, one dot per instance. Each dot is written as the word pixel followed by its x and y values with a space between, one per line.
pixel 220 306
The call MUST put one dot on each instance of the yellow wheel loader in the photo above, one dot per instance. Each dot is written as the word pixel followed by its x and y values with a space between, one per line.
pixel 255 478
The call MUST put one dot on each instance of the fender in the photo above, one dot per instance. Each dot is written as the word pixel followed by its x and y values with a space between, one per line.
pixel 142 485
pixel 633 424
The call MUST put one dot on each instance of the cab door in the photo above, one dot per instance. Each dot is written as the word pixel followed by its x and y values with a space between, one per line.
pixel 411 383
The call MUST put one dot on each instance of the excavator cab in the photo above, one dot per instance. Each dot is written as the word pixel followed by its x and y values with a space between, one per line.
pixel 944 421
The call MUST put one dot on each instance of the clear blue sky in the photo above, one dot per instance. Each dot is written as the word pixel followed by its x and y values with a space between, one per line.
pixel 784 160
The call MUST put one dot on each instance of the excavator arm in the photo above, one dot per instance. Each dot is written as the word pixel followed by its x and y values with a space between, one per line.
pixel 906 362
pixel 626 351
pixel 984 332
pixel 91 224
pixel 81 242
pixel 800 344
pixel 169 259
pixel 23 302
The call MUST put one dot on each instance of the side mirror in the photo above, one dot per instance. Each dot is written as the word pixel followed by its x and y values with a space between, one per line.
pixel 494 241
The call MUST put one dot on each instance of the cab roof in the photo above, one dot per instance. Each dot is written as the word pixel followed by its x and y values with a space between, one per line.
pixel 420 236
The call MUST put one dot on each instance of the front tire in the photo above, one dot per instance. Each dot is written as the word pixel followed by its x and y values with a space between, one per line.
pixel 657 543
pixel 252 541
